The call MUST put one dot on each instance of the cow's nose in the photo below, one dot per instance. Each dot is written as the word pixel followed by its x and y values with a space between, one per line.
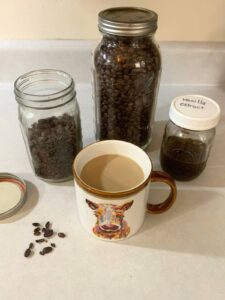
pixel 110 227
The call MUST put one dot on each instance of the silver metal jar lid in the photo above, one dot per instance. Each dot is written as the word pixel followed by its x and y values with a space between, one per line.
pixel 12 194
pixel 127 21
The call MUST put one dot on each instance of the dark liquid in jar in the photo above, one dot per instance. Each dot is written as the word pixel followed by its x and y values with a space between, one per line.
pixel 183 159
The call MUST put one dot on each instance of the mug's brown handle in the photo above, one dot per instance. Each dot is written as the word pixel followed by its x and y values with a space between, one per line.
pixel 158 176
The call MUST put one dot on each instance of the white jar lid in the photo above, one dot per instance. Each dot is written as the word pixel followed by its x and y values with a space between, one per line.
pixel 12 194
pixel 194 112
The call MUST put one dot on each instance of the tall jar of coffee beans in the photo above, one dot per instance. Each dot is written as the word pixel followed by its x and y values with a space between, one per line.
pixel 127 67
pixel 50 122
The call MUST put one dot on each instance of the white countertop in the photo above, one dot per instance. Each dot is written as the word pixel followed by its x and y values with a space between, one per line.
pixel 178 255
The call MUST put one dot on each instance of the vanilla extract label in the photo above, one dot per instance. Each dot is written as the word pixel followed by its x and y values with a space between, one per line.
pixel 193 103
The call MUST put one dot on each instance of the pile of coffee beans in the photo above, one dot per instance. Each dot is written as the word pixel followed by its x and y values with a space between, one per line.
pixel 54 143
pixel 47 233
pixel 127 72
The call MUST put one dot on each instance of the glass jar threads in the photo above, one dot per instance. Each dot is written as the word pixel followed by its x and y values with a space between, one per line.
pixel 127 67
pixel 189 136
pixel 50 122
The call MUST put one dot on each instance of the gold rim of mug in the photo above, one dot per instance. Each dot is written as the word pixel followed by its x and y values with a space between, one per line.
pixel 106 194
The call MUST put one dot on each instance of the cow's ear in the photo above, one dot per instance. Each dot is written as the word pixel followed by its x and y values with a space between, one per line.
pixel 92 205
pixel 127 205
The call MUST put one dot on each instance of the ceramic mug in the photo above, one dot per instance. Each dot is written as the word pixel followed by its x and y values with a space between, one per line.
pixel 124 211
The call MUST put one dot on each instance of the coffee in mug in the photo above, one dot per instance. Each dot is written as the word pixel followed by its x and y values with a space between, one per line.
pixel 112 173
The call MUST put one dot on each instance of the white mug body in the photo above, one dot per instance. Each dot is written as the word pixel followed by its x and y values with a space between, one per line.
pixel 111 219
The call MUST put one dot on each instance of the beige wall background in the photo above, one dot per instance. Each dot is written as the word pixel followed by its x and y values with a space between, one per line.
pixel 179 20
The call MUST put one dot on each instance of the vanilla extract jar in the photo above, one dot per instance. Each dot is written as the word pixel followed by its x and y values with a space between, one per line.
pixel 189 136
pixel 127 65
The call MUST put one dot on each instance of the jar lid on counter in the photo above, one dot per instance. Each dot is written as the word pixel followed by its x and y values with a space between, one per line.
pixel 128 21
pixel 12 194
pixel 194 112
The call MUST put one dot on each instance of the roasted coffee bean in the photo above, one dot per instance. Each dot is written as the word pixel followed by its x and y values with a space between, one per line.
pixel 36 224
pixel 37 233
pixel 31 245
pixel 47 225
pixel 40 241
pixel 48 233
pixel 46 250
pixel 126 77
pixel 38 229
pixel 53 143
pixel 27 253
pixel 53 245
pixel 61 235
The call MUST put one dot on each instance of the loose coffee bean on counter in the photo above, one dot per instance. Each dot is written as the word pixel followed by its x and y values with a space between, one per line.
pixel 27 253
pixel 126 82
pixel 31 246
pixel 48 233
pixel 61 235
pixel 53 143
pixel 47 225
pixel 37 229
pixel 53 245
pixel 37 233
pixel 46 250
pixel 41 241
pixel 36 224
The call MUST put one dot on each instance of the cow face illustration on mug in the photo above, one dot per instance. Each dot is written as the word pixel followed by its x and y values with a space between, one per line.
pixel 110 222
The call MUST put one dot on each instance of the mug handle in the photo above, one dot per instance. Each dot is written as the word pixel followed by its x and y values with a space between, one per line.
pixel 158 176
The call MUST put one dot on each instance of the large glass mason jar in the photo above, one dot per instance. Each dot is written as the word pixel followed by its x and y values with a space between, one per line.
pixel 50 122
pixel 127 67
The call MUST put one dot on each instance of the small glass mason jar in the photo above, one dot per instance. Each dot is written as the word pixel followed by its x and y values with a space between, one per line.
pixel 50 122
pixel 127 67
pixel 189 136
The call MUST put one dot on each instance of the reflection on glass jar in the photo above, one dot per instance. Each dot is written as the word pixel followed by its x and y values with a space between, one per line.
pixel 50 122
pixel 127 66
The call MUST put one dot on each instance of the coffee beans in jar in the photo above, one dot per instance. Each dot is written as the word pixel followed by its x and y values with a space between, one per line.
pixel 50 122
pixel 53 146
pixel 127 66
